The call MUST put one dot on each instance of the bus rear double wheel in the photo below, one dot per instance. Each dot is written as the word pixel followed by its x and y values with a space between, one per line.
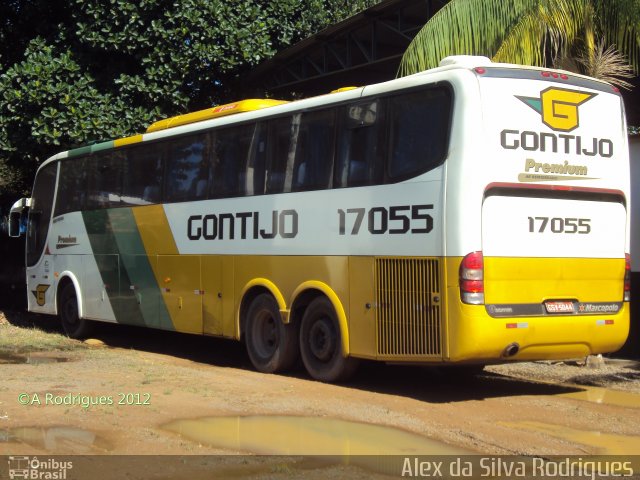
pixel 321 343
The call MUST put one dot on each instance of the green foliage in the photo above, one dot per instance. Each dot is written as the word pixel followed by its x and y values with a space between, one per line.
pixel 530 32
pixel 75 72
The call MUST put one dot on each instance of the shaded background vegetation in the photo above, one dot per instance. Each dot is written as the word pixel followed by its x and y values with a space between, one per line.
pixel 75 72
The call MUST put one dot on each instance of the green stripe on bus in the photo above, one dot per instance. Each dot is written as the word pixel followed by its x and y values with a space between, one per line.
pixel 102 146
pixel 134 259
pixel 134 294
pixel 76 152
pixel 105 250
pixel 98 147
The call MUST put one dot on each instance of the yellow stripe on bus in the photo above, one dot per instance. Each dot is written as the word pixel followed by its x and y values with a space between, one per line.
pixel 155 231
pixel 177 276
pixel 214 112
pixel 121 142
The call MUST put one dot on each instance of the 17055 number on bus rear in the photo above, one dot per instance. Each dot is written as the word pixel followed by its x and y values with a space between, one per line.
pixel 559 225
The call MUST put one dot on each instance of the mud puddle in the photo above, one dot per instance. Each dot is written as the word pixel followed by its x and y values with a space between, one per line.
pixel 605 396
pixel 602 443
pixel 58 440
pixel 284 435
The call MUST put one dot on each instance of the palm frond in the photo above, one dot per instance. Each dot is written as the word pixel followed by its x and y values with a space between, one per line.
pixel 619 24
pixel 471 27
pixel 524 43
pixel 607 64
pixel 531 32
pixel 544 33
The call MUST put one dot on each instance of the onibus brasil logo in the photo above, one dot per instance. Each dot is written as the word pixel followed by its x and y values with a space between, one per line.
pixel 558 107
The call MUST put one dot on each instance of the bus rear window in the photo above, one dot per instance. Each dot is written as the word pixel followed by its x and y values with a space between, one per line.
pixel 420 124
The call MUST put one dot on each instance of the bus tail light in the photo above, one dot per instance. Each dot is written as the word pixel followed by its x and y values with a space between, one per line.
pixel 472 279
pixel 627 277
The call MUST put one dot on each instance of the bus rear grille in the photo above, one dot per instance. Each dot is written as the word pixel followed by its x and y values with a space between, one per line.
pixel 408 307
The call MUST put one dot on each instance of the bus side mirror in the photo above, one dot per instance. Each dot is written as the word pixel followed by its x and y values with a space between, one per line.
pixel 18 217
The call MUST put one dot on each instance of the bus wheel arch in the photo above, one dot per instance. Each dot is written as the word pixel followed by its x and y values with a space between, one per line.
pixel 306 293
pixel 69 308
pixel 272 344
pixel 324 339
pixel 250 291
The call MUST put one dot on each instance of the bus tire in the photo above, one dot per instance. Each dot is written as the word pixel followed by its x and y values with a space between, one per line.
pixel 73 325
pixel 321 344
pixel 271 344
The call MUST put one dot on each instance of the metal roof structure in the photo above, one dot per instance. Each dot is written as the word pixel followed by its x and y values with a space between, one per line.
pixel 363 49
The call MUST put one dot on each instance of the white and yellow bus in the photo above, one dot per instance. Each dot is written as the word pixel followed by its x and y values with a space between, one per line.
pixel 471 214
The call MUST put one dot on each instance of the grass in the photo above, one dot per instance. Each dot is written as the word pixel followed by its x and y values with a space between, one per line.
pixel 28 338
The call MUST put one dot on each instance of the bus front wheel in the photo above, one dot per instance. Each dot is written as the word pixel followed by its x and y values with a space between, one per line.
pixel 73 325
pixel 271 344
pixel 321 343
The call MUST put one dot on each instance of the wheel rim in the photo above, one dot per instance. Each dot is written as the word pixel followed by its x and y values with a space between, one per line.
pixel 322 339
pixel 265 334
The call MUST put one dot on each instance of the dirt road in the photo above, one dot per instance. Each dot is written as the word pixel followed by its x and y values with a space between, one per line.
pixel 151 392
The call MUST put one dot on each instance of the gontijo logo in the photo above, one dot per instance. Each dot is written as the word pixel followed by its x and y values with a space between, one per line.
pixel 558 107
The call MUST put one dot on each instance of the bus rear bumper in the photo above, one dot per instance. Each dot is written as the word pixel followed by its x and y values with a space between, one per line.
pixel 476 336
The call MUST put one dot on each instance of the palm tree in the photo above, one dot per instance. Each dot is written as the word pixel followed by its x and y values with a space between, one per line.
pixel 596 37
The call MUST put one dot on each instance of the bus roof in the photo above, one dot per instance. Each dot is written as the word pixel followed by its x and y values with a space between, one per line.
pixel 475 64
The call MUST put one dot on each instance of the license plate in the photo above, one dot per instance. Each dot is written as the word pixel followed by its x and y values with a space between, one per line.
pixel 559 307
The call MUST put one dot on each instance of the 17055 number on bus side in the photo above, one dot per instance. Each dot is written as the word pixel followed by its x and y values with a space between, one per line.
pixel 398 219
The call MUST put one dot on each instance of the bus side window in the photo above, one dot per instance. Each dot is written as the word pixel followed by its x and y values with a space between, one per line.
pixel 228 158
pixel 314 151
pixel 142 182
pixel 420 123
pixel 72 186
pixel 359 159
pixel 104 180
pixel 253 173
pixel 187 173
pixel 283 137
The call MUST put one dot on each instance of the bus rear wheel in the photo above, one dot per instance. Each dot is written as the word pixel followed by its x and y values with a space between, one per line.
pixel 321 344
pixel 73 325
pixel 271 344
